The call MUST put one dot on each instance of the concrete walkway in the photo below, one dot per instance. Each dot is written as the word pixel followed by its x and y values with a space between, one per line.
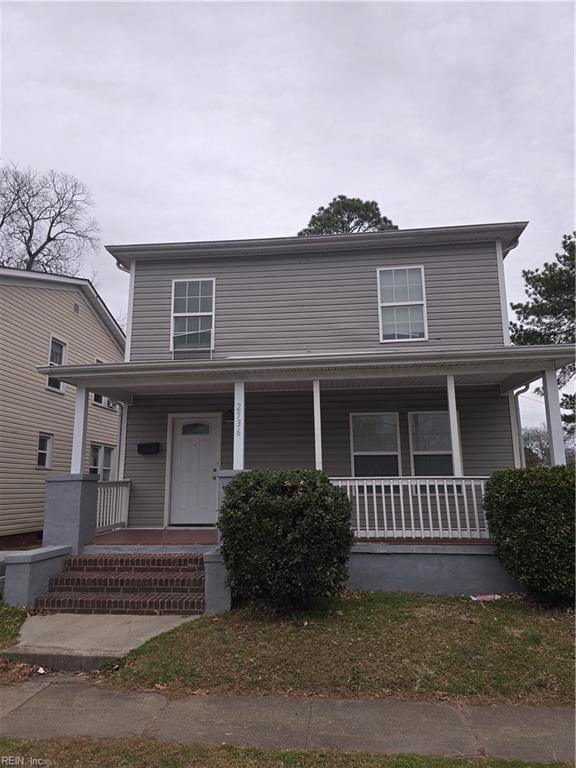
pixel 65 707
pixel 81 643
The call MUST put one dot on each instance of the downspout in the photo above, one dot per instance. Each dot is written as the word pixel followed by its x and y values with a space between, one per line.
pixel 517 394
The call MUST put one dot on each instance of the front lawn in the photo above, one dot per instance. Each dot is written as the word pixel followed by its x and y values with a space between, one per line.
pixel 144 753
pixel 368 645
pixel 11 619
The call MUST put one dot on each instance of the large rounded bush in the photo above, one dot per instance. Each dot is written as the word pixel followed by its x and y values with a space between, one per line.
pixel 530 514
pixel 286 536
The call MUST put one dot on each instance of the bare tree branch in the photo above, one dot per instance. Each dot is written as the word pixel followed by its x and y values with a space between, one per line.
pixel 44 221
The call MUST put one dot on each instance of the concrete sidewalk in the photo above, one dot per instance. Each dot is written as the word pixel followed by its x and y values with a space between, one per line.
pixel 81 643
pixel 72 708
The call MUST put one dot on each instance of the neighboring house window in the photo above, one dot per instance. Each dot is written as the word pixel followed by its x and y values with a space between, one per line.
pixel 375 444
pixel 57 357
pixel 102 399
pixel 101 461
pixel 430 443
pixel 193 315
pixel 402 304
pixel 44 456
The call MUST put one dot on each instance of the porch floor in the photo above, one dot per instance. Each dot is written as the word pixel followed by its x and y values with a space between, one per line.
pixel 205 537
pixel 162 536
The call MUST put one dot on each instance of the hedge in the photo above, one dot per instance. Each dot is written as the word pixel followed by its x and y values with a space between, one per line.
pixel 285 536
pixel 530 514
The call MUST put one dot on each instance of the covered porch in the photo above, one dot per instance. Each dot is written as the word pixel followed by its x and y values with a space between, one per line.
pixel 411 438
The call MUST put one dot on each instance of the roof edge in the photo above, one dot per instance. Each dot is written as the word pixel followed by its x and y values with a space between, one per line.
pixel 548 352
pixel 508 232
pixel 87 287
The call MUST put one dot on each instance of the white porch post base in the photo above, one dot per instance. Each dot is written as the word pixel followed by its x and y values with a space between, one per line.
pixel 239 407
pixel 553 418
pixel 79 435
pixel 457 465
pixel 317 424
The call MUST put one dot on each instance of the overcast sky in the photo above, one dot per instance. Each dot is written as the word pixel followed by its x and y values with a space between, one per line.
pixel 193 121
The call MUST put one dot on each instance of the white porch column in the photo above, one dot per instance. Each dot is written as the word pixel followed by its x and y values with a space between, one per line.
pixel 317 424
pixel 454 431
pixel 79 435
pixel 553 417
pixel 238 460
pixel 122 446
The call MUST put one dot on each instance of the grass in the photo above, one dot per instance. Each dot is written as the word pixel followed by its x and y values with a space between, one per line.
pixel 144 753
pixel 11 619
pixel 368 645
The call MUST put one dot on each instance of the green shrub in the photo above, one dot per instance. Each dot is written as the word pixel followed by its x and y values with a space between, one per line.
pixel 530 513
pixel 286 536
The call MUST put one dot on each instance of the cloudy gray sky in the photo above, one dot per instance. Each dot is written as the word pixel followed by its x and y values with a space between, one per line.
pixel 194 121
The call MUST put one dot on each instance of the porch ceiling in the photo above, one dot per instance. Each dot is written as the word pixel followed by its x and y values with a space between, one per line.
pixel 508 367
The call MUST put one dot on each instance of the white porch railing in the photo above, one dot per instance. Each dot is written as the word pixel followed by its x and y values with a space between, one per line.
pixel 112 507
pixel 416 507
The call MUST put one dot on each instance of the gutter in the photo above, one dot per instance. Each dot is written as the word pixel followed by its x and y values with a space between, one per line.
pixel 556 354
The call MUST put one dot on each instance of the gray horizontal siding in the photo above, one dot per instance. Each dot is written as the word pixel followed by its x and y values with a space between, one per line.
pixel 323 303
pixel 280 433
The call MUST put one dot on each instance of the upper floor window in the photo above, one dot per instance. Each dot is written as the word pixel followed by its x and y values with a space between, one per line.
pixel 402 304
pixel 431 444
pixel 193 315
pixel 57 357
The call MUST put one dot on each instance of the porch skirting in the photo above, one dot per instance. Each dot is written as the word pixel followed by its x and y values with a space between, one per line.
pixel 433 569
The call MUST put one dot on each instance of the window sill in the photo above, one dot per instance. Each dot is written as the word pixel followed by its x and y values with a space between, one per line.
pixel 110 408
pixel 401 341
pixel 56 391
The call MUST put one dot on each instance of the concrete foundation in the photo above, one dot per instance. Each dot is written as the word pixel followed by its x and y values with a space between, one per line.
pixel 217 596
pixel 27 573
pixel 70 511
pixel 434 569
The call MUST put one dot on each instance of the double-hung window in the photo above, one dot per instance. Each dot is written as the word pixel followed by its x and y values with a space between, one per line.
pixel 431 444
pixel 402 304
pixel 57 357
pixel 44 453
pixel 193 315
pixel 375 444
pixel 101 461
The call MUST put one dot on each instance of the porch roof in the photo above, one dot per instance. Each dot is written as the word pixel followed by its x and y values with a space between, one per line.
pixel 508 367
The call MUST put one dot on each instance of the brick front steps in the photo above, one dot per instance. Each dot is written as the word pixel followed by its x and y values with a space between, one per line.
pixel 155 584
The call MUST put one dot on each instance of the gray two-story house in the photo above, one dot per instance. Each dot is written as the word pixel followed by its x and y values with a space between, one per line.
pixel 382 359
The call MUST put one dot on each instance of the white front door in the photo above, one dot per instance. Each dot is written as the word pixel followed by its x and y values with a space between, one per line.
pixel 195 461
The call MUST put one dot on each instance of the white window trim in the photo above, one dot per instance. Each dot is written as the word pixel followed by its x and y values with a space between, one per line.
pixel 101 447
pixel 49 450
pixel 427 453
pixel 193 314
pixel 61 388
pixel 402 303
pixel 397 452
